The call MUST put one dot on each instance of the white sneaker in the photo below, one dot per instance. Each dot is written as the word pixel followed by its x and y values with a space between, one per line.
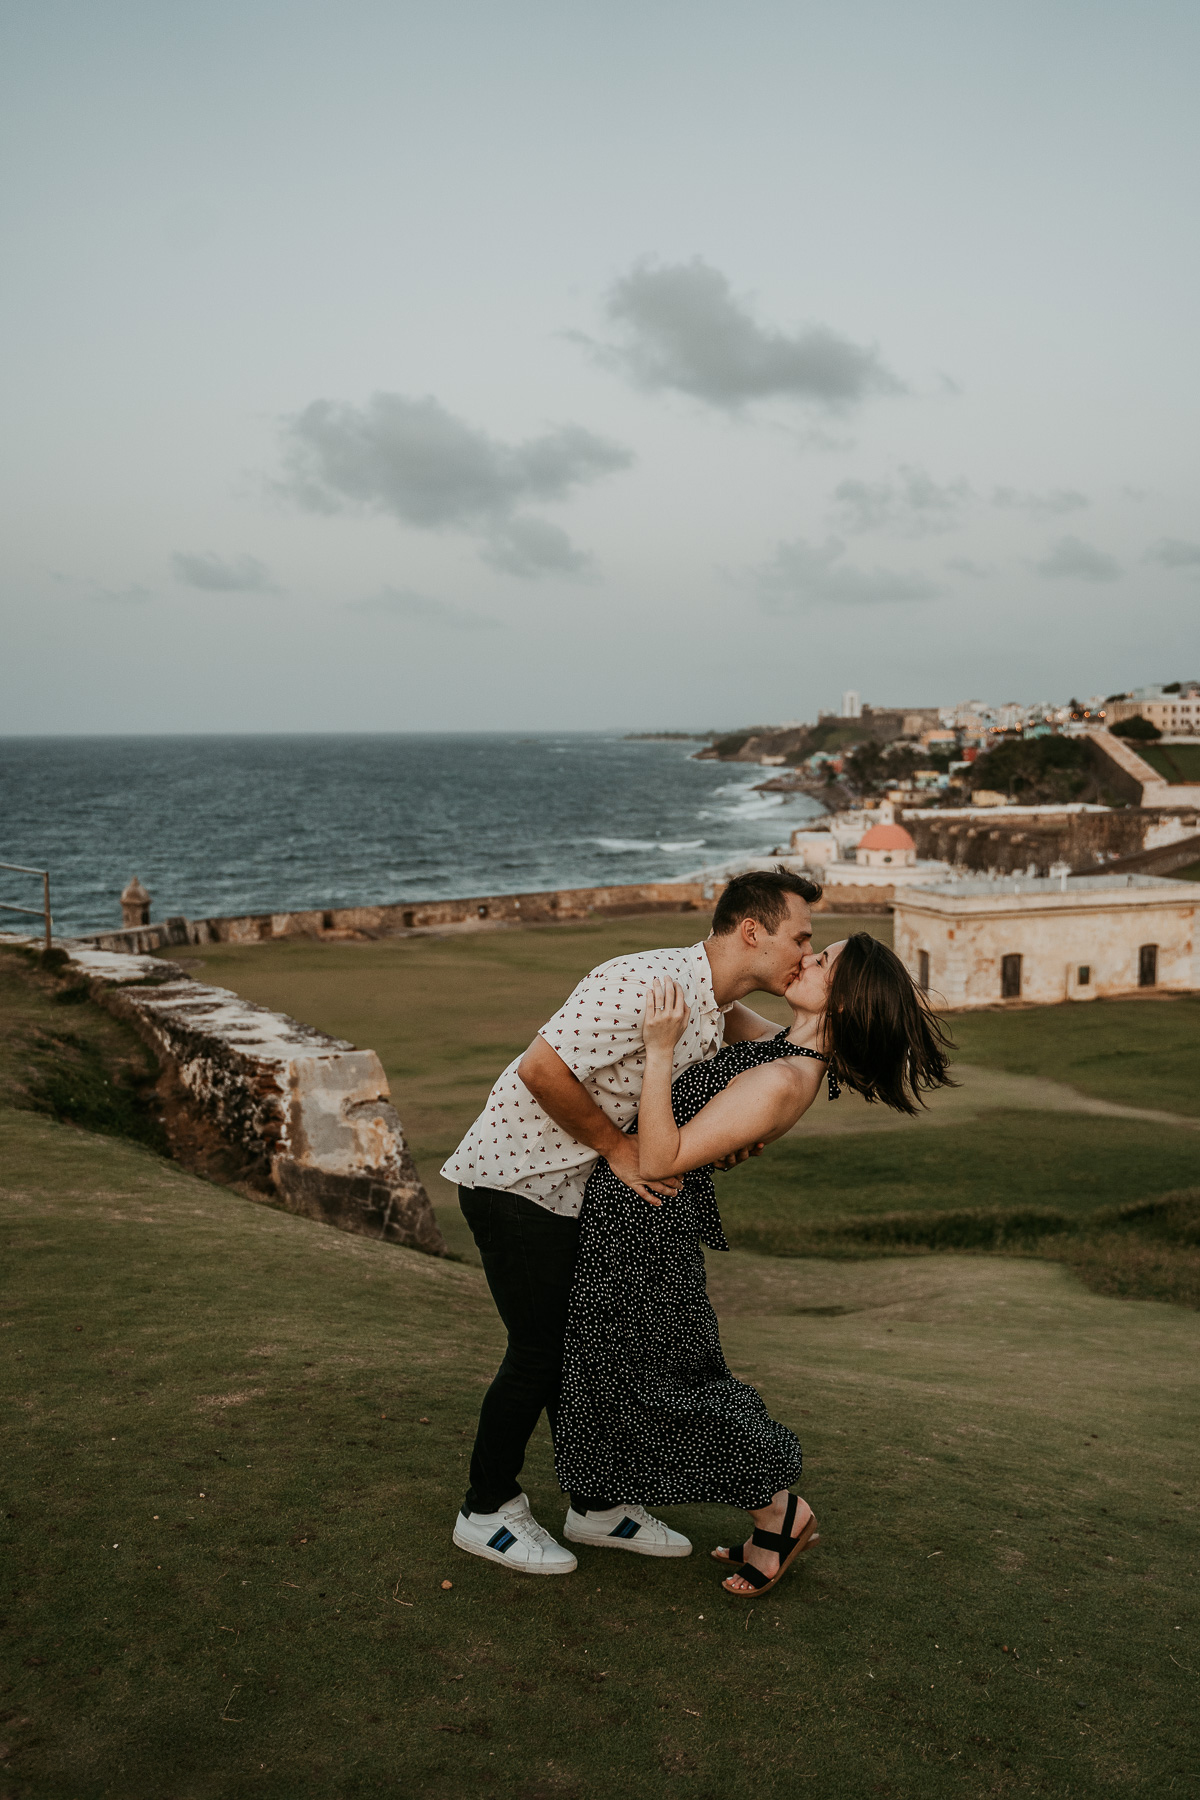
pixel 512 1536
pixel 626 1528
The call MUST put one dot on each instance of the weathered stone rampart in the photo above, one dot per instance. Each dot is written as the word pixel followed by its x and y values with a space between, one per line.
pixel 350 924
pixel 394 919
pixel 1087 841
pixel 255 1097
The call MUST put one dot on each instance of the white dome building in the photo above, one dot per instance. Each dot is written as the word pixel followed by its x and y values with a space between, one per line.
pixel 886 847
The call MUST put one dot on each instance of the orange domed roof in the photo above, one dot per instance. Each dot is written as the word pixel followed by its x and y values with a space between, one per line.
pixel 886 837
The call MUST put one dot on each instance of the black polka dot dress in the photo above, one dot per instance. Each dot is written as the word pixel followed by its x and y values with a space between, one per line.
pixel 649 1410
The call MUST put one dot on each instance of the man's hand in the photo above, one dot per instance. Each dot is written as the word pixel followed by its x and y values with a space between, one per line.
pixel 623 1161
pixel 739 1156
pixel 572 1108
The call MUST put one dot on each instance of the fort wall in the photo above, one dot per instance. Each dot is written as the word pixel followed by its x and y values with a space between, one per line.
pixel 397 918
pixel 1088 841
pixel 253 1097
pixel 361 924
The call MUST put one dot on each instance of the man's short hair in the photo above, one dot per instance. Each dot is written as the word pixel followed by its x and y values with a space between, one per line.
pixel 762 895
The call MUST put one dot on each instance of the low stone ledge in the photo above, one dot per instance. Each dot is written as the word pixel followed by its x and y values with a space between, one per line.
pixel 401 917
pixel 255 1096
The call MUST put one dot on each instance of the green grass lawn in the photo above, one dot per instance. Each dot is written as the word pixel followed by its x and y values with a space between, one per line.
pixel 1005 1161
pixel 1135 1052
pixel 61 1055
pixel 237 1440
pixel 1174 762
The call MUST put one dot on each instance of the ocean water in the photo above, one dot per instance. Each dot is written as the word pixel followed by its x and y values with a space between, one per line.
pixel 221 825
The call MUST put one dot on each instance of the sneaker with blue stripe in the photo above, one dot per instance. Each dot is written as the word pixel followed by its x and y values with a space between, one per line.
pixel 512 1536
pixel 626 1528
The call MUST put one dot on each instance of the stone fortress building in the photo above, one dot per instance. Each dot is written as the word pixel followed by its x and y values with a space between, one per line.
pixel 1044 939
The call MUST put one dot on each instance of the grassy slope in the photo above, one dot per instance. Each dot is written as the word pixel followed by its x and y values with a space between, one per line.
pixel 1004 1468
pixel 1071 1162
pixel 62 1056
pixel 1174 762
pixel 1136 1052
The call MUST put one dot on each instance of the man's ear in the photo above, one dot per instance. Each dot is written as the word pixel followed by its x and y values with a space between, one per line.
pixel 749 931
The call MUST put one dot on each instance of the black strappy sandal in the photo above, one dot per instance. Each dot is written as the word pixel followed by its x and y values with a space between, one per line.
pixel 786 1547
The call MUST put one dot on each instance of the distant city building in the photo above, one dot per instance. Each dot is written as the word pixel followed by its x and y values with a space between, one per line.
pixel 863 852
pixel 886 846
pixel 1174 714
pixel 885 724
pixel 851 705
pixel 982 942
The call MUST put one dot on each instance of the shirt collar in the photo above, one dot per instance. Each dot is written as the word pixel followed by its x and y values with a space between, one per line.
pixel 704 983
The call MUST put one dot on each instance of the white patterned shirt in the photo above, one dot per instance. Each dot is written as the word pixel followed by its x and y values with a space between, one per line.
pixel 516 1146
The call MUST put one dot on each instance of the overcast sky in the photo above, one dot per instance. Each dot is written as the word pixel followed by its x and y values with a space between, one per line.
pixel 384 366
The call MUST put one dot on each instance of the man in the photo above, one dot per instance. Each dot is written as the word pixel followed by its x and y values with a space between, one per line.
pixel 523 1166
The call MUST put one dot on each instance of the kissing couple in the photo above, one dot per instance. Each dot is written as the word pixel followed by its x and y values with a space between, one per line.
pixel 587 1182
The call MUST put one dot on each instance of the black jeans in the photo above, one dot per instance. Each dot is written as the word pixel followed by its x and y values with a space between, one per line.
pixel 528 1257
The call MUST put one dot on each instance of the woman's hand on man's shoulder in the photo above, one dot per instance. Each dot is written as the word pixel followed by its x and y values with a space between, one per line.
pixel 666 1016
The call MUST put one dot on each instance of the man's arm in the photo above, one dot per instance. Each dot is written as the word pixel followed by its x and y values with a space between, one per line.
pixel 569 1104
pixel 742 1025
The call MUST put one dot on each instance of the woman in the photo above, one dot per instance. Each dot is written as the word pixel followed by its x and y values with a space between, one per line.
pixel 650 1413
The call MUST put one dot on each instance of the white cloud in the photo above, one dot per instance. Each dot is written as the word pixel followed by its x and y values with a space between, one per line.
pixel 527 547
pixel 913 504
pixel 802 574
pixel 963 565
pixel 1175 553
pixel 221 574
pixel 1071 557
pixel 680 326
pixel 1051 504
pixel 403 603
pixel 135 595
pixel 416 461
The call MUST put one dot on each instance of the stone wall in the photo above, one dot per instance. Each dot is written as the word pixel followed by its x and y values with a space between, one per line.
pixel 1132 776
pixel 362 923
pixel 255 1097
pixel 1087 841
pixel 865 899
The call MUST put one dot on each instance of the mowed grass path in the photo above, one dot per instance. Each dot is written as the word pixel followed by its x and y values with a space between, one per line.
pixel 237 1439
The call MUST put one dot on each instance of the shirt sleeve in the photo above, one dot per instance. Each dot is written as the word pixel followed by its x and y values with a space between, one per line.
pixel 601 1023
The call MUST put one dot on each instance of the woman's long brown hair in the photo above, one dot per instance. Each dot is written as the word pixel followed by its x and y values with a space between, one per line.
pixel 883 1037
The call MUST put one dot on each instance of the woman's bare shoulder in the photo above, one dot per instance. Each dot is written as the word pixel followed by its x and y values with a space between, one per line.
pixel 783 1076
